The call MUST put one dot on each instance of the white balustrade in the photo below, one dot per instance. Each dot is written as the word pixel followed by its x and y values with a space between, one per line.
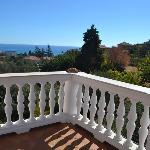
pixel 32 102
pixel 131 124
pixel 52 96
pixel 86 99
pixel 20 106
pixel 8 106
pixel 110 114
pixel 61 97
pixel 120 118
pixel 72 100
pixel 79 101
pixel 42 103
pixel 101 111
pixel 93 108
pixel 148 140
pixel 143 131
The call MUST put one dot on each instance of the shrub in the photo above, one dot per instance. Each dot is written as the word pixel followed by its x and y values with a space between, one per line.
pixel 129 77
pixel 144 67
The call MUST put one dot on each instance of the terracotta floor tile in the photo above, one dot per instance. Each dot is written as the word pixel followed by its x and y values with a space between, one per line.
pixel 58 136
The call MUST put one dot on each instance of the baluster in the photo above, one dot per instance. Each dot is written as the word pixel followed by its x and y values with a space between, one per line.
pixel 120 119
pixel 32 102
pixel 148 140
pixel 131 124
pixel 110 114
pixel 52 96
pixel 42 103
pixel 20 106
pixel 61 97
pixel 86 99
pixel 101 111
pixel 8 106
pixel 143 131
pixel 93 108
pixel 79 101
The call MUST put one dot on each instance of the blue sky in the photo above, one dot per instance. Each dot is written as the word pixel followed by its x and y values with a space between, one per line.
pixel 63 22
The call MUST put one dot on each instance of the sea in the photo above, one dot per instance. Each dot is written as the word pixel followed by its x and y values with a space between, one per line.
pixel 22 48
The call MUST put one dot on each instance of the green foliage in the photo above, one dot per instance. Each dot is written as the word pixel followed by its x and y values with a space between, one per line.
pixel 144 67
pixel 17 64
pixel 90 58
pixel 106 64
pixel 137 50
pixel 129 77
pixel 49 51
pixel 39 52
pixel 60 62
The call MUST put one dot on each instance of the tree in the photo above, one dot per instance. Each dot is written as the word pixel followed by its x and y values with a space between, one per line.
pixel 119 58
pixel 42 52
pixel 49 51
pixel 91 54
pixel 39 52
pixel 29 53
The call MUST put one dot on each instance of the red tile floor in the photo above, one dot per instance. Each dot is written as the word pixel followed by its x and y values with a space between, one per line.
pixel 59 136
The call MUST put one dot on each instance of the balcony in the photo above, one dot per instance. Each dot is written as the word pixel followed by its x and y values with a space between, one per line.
pixel 106 108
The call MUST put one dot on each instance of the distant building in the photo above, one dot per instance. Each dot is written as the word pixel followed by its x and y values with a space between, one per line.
pixel 48 58
pixel 103 46
pixel 32 58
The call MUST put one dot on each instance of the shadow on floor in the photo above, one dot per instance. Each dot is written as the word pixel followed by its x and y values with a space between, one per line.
pixel 57 136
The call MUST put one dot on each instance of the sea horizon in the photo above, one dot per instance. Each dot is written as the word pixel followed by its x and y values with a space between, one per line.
pixel 25 48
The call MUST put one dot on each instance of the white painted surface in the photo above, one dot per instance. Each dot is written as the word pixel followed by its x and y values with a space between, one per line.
pixel 42 103
pixel 79 101
pixel 70 99
pixel 86 99
pixel 120 119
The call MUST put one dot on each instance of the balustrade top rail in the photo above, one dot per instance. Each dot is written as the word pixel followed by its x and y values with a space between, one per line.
pixel 6 75
pixel 13 78
pixel 80 77
pixel 138 93
pixel 130 90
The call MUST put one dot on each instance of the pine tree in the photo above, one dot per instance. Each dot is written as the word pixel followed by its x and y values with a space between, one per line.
pixel 39 52
pixel 49 51
pixel 29 53
pixel 91 54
